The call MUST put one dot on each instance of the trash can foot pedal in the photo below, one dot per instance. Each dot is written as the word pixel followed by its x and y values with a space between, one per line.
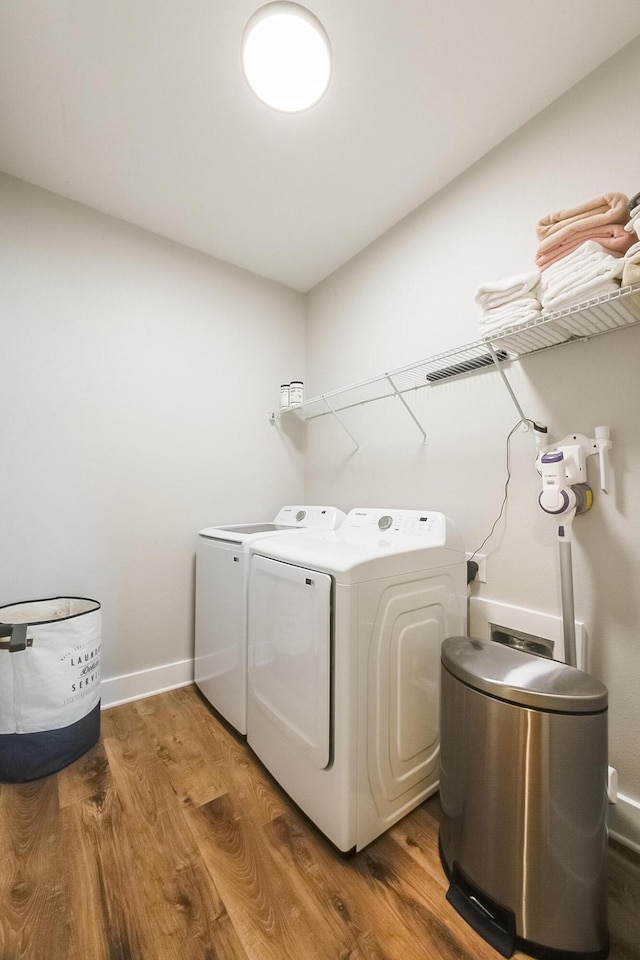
pixel 495 923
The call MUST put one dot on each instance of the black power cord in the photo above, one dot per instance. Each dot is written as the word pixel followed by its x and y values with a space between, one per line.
pixel 472 566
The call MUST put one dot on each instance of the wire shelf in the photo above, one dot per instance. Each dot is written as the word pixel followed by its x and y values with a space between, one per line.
pixel 580 321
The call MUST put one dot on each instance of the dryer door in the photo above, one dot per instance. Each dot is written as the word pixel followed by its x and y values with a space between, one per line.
pixel 290 655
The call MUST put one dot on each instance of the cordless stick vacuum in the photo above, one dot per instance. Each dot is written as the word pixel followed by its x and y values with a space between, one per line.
pixel 566 494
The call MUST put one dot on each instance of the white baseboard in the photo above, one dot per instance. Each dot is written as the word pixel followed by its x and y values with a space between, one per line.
pixel 624 822
pixel 145 683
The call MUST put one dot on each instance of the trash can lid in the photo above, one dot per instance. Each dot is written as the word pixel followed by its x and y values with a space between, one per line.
pixel 522 678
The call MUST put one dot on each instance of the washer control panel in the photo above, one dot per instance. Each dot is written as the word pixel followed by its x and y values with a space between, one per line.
pixel 318 517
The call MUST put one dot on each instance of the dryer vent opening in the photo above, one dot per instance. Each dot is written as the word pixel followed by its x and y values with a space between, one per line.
pixel 519 640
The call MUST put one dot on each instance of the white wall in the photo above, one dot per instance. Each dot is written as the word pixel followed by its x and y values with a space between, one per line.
pixel 410 295
pixel 135 380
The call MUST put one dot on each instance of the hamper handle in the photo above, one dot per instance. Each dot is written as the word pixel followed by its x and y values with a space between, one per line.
pixel 17 634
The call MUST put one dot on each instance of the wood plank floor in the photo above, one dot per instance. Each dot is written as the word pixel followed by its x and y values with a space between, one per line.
pixel 169 841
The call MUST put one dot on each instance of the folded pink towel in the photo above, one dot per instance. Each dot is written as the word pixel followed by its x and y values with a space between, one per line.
pixel 609 208
pixel 612 236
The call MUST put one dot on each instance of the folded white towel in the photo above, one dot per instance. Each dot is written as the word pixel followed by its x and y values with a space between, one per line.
pixel 633 253
pixel 587 291
pixel 500 292
pixel 605 268
pixel 590 249
pixel 631 274
pixel 518 312
pixel 633 226
pixel 580 276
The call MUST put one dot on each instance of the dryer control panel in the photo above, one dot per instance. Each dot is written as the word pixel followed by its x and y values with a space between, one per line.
pixel 366 524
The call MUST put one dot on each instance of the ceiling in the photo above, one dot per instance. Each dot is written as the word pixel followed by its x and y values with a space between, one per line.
pixel 139 109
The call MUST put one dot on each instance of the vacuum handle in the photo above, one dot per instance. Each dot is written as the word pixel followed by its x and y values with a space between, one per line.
pixel 604 445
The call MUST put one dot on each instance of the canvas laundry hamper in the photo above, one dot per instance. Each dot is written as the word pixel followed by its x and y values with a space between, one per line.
pixel 49 684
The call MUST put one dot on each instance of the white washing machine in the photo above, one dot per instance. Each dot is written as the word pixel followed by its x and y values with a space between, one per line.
pixel 222 559
pixel 345 630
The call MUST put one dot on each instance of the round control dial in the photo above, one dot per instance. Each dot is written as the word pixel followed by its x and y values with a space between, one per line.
pixel 385 522
pixel 300 515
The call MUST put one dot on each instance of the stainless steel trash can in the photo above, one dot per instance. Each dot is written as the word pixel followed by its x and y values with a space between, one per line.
pixel 523 775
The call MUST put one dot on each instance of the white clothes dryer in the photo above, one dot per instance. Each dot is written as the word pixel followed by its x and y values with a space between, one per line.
pixel 222 559
pixel 345 630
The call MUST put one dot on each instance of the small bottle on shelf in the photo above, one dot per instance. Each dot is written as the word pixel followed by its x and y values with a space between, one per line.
pixel 296 393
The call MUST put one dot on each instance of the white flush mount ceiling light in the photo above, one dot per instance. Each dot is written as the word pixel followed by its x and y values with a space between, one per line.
pixel 286 56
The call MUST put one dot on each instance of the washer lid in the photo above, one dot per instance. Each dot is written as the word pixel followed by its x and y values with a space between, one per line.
pixel 522 678
pixel 241 532
pixel 288 518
